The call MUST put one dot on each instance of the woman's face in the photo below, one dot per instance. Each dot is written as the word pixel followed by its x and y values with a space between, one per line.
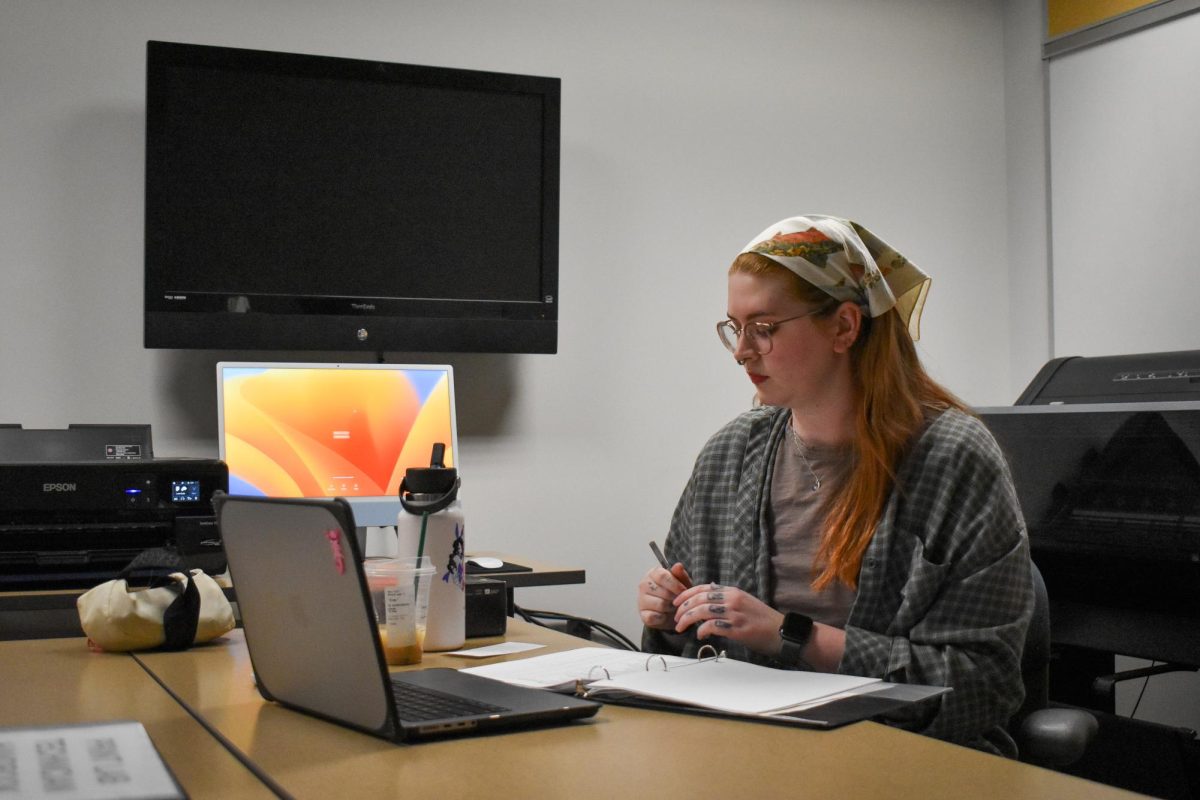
pixel 803 366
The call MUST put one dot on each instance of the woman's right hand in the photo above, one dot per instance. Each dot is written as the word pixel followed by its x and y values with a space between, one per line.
pixel 656 594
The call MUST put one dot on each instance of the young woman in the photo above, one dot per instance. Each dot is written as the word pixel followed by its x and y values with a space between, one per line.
pixel 858 519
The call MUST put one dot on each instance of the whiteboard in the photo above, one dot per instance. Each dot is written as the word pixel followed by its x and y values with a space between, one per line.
pixel 1124 120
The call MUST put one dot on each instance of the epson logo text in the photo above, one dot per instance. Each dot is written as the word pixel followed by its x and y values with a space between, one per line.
pixel 58 487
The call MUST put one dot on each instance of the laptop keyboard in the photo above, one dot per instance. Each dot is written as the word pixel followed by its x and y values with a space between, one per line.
pixel 418 703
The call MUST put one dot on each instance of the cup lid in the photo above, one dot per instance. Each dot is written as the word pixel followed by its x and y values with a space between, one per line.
pixel 392 566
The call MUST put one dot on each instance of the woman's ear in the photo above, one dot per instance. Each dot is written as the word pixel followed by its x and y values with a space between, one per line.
pixel 848 320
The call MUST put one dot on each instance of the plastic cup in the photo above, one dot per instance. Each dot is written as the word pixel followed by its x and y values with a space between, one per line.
pixel 400 595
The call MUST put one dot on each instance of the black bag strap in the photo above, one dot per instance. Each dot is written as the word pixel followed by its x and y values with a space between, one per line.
pixel 153 567
pixel 182 617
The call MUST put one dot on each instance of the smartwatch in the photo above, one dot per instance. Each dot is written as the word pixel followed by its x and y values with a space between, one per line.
pixel 795 633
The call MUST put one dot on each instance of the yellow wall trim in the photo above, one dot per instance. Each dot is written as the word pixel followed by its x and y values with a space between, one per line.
pixel 1065 16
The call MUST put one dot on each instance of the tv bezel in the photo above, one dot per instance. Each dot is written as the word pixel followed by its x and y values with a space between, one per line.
pixel 334 322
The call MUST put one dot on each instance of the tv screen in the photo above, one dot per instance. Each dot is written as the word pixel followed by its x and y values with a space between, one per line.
pixel 303 202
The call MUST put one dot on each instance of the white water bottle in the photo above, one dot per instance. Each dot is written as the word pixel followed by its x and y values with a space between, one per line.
pixel 433 518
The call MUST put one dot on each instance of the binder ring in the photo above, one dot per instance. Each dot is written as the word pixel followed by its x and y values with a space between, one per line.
pixel 715 654
pixel 592 672
pixel 660 658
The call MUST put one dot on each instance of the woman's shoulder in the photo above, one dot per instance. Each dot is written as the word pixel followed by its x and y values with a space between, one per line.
pixel 958 494
pixel 759 420
pixel 957 438
pixel 746 434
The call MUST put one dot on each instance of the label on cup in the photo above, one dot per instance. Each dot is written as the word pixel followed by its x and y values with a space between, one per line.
pixel 400 615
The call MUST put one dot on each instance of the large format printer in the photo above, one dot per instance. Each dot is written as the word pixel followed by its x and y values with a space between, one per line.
pixel 1105 457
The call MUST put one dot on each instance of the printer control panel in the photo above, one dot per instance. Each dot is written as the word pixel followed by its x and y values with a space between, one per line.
pixel 166 485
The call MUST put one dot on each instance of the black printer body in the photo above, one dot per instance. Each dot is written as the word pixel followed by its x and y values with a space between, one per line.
pixel 75 524
pixel 1105 456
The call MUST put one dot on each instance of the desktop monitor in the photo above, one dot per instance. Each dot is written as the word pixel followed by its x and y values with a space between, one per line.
pixel 333 430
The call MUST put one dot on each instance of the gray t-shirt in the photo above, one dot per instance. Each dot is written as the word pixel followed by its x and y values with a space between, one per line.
pixel 797 517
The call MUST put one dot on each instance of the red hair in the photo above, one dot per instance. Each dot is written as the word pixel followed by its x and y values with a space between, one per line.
pixel 893 395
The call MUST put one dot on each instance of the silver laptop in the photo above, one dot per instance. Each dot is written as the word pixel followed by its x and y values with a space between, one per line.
pixel 313 641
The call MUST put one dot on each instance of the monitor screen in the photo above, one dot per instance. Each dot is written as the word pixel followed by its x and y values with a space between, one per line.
pixel 315 203
pixel 333 430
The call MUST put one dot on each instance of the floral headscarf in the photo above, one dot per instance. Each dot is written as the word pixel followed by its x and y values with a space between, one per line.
pixel 848 262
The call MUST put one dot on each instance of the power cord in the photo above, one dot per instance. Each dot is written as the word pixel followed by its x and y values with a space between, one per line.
pixel 588 625
pixel 1145 683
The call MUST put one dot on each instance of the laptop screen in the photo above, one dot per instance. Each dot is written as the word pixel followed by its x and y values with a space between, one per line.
pixel 331 430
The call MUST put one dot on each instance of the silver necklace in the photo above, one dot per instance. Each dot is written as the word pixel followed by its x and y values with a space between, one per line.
pixel 800 448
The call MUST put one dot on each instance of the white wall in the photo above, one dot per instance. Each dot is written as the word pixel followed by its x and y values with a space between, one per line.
pixel 1029 277
pixel 688 125
pixel 1125 172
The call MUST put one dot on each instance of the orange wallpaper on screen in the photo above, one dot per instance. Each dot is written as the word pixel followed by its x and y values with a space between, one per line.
pixel 280 430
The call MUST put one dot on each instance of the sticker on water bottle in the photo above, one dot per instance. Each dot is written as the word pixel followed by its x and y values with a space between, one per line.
pixel 456 565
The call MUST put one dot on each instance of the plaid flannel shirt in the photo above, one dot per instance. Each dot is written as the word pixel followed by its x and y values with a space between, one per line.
pixel 945 593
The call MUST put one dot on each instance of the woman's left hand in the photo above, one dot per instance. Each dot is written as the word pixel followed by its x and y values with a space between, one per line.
pixel 731 613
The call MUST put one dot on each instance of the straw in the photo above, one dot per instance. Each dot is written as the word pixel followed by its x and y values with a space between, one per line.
pixel 421 543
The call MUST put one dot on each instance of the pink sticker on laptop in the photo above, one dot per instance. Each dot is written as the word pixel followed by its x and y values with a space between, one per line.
pixel 335 544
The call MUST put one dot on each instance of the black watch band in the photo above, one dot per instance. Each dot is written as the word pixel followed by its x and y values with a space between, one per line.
pixel 795 633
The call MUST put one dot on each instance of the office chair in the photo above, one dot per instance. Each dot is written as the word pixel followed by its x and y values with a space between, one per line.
pixel 1048 737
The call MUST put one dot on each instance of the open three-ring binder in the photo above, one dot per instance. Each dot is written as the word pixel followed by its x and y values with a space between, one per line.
pixel 711 684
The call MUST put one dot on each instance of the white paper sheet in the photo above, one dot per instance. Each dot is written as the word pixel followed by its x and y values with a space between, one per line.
pixel 502 649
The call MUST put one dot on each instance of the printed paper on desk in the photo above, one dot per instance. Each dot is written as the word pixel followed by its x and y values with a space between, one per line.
pixel 502 649
pixel 83 762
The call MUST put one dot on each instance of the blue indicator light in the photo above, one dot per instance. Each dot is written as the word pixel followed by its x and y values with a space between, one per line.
pixel 133 491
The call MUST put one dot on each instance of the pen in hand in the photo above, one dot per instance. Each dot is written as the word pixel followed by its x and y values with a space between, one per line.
pixel 662 559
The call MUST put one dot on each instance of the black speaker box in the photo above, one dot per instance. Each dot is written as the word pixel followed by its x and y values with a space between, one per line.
pixel 487 607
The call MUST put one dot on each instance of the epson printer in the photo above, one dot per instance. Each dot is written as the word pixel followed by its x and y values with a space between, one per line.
pixel 77 505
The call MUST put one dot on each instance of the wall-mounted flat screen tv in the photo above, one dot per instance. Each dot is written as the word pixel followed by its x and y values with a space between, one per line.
pixel 300 202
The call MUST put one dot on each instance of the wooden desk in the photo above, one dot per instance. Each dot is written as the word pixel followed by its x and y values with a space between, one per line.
pixel 61 682
pixel 622 752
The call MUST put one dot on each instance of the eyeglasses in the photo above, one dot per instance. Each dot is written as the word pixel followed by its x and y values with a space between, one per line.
pixel 759 332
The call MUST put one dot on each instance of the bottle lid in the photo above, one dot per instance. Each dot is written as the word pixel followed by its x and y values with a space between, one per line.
pixel 429 480
pixel 427 490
